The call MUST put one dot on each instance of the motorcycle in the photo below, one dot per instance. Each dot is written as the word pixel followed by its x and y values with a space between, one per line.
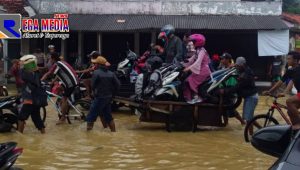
pixel 9 153
pixel 170 83
pixel 279 141
pixel 126 74
pixel 209 89
pixel 14 105
pixel 125 69
pixel 9 120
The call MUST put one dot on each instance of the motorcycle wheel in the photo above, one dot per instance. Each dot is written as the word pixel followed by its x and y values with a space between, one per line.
pixel 11 119
pixel 4 92
pixel 237 102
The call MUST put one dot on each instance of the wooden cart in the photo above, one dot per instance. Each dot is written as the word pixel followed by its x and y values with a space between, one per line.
pixel 168 112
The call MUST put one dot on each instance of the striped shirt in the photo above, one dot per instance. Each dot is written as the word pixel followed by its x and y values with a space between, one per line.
pixel 65 73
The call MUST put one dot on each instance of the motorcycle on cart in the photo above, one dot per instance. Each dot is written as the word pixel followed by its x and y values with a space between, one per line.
pixel 164 103
pixel 127 72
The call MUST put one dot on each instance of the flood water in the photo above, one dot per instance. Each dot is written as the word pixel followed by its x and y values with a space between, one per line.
pixel 136 145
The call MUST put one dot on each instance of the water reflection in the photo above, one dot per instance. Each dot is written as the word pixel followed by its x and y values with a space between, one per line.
pixel 135 146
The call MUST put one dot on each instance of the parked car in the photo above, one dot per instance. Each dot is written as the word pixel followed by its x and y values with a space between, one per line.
pixel 282 142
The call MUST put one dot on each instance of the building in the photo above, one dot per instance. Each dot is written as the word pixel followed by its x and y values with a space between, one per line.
pixel 293 21
pixel 240 27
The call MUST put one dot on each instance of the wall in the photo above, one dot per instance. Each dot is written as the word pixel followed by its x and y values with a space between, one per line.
pixel 158 7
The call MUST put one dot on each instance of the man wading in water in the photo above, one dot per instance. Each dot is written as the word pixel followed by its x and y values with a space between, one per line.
pixel 105 85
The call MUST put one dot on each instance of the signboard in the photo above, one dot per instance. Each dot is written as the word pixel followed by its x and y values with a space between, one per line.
pixel 13 27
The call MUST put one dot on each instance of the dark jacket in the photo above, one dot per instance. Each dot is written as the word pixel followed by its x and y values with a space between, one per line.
pixel 246 84
pixel 104 83
pixel 31 82
pixel 173 50
pixel 184 51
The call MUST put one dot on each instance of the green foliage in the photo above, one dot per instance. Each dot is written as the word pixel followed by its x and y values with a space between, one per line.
pixel 291 6
pixel 295 10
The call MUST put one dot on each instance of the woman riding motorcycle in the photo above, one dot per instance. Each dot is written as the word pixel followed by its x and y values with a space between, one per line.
pixel 198 65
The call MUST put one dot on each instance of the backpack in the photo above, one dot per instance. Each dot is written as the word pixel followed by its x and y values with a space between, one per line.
pixel 39 97
pixel 39 94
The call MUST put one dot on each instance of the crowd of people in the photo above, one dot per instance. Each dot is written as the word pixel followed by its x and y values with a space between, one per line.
pixel 102 84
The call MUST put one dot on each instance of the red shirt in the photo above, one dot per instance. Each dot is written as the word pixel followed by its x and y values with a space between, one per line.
pixel 15 71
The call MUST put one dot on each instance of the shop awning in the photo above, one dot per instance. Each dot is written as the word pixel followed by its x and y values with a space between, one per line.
pixel 94 22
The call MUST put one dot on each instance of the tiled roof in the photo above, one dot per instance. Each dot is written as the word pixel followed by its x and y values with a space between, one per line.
pixel 91 22
pixel 294 18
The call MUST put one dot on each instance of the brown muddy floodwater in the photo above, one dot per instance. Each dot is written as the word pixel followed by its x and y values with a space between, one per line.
pixel 136 145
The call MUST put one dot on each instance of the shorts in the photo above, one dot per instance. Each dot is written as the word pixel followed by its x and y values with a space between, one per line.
pixel 100 107
pixel 33 111
pixel 250 103
pixel 68 92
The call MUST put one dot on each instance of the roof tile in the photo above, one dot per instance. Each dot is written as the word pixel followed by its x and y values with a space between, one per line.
pixel 294 18
pixel 93 22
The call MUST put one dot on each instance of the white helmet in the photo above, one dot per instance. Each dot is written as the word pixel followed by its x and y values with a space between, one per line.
pixel 51 46
pixel 29 62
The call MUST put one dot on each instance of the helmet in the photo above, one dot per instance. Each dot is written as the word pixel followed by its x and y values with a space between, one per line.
pixel 154 62
pixel 198 40
pixel 162 36
pixel 226 56
pixel 51 46
pixel 168 29
pixel 29 62
pixel 94 54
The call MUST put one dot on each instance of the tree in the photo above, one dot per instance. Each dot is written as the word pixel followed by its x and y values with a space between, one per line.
pixel 291 6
